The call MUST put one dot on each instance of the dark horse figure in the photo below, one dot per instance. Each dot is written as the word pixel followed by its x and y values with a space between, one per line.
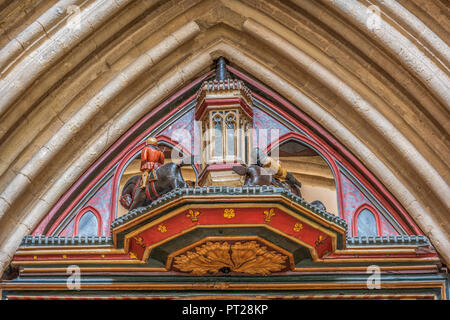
pixel 169 178
pixel 255 176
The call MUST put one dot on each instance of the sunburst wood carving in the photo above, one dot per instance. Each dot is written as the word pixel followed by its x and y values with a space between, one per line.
pixel 245 257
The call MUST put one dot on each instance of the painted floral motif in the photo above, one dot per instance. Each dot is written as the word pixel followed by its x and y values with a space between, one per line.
pixel 298 227
pixel 140 241
pixel 162 228
pixel 229 213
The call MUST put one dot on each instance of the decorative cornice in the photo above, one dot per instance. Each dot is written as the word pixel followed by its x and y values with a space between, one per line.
pixel 213 86
pixel 30 241
pixel 413 240
pixel 223 190
pixel 66 241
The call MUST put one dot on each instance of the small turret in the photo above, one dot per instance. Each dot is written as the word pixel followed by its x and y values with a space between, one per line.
pixel 224 109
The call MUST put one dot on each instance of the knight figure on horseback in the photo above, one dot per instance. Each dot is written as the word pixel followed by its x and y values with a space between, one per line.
pixel 156 179
pixel 151 159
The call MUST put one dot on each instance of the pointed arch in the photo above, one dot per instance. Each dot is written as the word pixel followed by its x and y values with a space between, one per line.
pixel 81 214
pixel 374 213
pixel 294 136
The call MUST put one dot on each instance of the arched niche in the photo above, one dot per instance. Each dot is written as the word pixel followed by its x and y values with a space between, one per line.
pixel 366 222
pixel 88 222
pixel 311 168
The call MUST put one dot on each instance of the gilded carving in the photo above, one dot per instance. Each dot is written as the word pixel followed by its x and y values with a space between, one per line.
pixel 246 257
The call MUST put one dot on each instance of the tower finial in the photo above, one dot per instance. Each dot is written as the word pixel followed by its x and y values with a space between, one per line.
pixel 221 69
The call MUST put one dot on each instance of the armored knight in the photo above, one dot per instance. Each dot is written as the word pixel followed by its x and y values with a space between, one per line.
pixel 151 158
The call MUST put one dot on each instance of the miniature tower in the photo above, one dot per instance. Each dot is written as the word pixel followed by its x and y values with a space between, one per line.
pixel 224 110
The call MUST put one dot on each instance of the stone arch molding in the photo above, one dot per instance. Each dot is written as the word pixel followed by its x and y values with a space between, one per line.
pixel 67 93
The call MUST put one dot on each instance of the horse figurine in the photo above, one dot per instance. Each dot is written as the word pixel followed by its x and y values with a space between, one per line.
pixel 255 176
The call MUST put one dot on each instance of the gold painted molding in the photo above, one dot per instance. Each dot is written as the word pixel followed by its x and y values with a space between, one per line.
pixel 131 269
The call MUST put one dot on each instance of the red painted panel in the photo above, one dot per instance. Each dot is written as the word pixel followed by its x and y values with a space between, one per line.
pixel 281 221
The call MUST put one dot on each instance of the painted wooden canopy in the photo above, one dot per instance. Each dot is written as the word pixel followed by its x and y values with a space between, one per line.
pixel 228 241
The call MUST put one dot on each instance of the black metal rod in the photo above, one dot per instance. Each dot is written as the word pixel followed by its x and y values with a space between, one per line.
pixel 221 69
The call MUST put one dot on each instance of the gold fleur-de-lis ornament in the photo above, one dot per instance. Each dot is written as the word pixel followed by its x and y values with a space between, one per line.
pixel 193 215
pixel 140 241
pixel 269 214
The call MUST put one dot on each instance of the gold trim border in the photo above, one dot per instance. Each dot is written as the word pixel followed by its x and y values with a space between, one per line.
pixel 38 270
